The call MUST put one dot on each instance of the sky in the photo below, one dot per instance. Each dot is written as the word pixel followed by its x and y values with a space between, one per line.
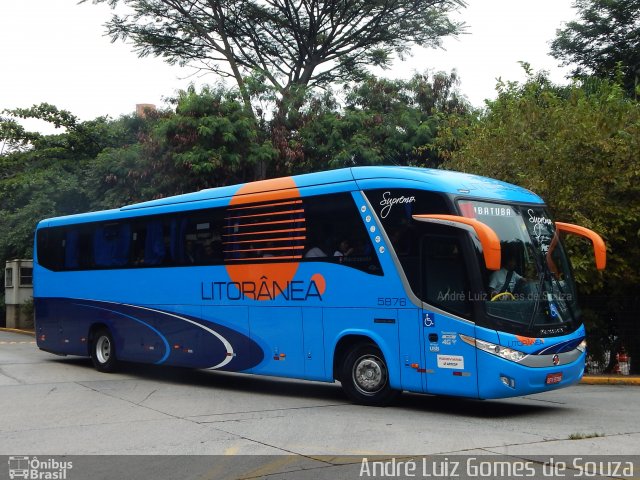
pixel 55 51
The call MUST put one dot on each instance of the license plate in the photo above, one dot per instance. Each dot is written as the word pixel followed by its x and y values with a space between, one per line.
pixel 554 378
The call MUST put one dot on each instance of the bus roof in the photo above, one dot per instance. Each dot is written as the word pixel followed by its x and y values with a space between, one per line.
pixel 445 181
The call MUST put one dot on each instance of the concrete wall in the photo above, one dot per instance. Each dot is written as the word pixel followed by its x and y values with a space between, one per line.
pixel 18 289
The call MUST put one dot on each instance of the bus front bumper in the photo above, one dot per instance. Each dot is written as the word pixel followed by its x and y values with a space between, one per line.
pixel 500 378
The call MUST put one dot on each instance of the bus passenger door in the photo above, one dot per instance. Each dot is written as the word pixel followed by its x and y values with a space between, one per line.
pixel 450 364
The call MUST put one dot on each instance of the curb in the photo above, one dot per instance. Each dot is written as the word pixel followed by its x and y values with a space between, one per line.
pixel 18 330
pixel 610 380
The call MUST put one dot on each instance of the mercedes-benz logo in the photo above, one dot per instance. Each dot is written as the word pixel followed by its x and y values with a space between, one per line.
pixel 556 359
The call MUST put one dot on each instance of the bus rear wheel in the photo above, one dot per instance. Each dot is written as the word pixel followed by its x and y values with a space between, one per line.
pixel 365 376
pixel 103 351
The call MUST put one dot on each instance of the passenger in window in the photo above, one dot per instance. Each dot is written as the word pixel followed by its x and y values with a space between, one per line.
pixel 207 253
pixel 506 280
pixel 212 252
pixel 344 249
pixel 318 248
pixel 315 252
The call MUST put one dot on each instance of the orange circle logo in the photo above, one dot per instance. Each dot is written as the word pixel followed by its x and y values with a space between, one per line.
pixel 265 222
pixel 321 283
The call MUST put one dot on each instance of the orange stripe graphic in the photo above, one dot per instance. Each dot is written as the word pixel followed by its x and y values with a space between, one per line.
pixel 269 232
pixel 283 239
pixel 269 249
pixel 284 212
pixel 277 222
pixel 266 205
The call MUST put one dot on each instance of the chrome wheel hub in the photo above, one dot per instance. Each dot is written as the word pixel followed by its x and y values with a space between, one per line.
pixel 103 349
pixel 369 374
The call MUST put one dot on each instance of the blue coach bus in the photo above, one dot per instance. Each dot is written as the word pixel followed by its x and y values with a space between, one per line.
pixel 383 278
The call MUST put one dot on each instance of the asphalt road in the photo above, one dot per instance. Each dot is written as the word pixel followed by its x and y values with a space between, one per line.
pixel 53 405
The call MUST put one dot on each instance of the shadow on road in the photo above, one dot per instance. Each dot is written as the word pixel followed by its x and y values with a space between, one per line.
pixel 324 392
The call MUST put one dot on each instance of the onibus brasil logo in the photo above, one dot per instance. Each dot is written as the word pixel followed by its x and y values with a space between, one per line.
pixel 32 468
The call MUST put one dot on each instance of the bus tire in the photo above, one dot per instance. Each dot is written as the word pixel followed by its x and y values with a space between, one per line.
pixel 103 351
pixel 365 377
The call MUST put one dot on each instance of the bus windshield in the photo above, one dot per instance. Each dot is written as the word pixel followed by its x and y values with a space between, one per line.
pixel 534 287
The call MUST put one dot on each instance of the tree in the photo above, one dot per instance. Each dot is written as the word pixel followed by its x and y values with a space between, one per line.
pixel 208 141
pixel 14 137
pixel 290 45
pixel 604 41
pixel 382 122
pixel 578 148
pixel 47 175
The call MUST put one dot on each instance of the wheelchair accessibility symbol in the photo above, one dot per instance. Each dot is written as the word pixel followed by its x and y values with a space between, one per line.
pixel 429 320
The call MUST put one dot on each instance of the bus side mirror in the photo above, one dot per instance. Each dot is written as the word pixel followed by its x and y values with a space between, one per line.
pixel 488 238
pixel 599 248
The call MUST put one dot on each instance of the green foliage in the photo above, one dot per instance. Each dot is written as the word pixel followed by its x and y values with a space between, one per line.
pixel 27 310
pixel 47 175
pixel 578 147
pixel 13 136
pixel 209 141
pixel 604 42
pixel 383 122
pixel 48 113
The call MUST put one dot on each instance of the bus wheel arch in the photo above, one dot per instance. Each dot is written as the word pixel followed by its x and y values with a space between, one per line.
pixel 360 366
pixel 102 348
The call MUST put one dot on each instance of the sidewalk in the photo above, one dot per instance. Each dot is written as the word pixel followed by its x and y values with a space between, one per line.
pixel 605 379
pixel 31 331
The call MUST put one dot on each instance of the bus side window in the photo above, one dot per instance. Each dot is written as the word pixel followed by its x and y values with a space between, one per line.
pixel 78 248
pixel 155 248
pixel 138 237
pixel 336 233
pixel 111 245
pixel 150 243
pixel 61 248
pixel 50 248
pixel 72 249
pixel 194 238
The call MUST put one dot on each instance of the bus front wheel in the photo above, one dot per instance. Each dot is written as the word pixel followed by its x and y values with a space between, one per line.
pixel 103 351
pixel 365 376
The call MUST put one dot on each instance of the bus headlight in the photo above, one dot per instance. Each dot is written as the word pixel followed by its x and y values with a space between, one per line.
pixel 498 350
pixel 583 345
